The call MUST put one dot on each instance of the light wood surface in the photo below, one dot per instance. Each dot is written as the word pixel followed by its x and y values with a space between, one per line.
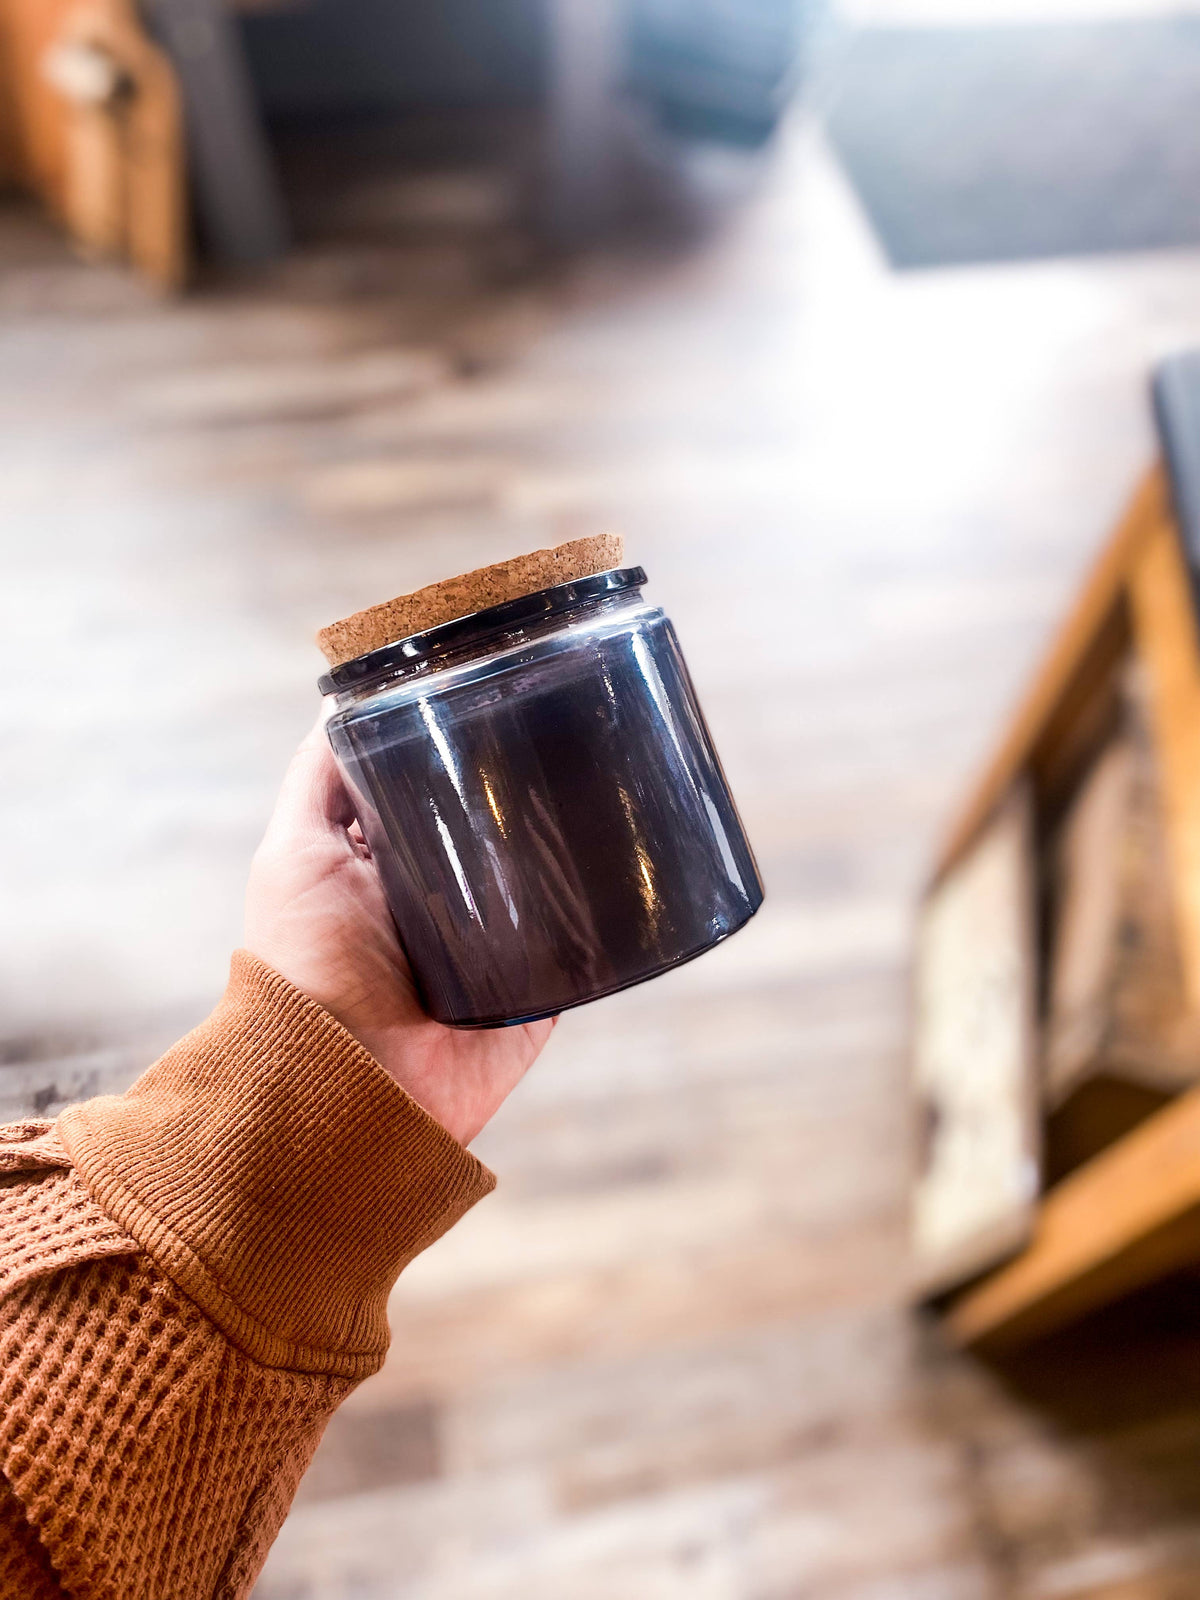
pixel 975 1003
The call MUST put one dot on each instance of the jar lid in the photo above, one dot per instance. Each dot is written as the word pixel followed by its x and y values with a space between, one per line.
pixel 427 608
pixel 509 614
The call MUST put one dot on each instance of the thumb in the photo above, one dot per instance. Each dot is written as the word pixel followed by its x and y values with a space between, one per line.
pixel 313 797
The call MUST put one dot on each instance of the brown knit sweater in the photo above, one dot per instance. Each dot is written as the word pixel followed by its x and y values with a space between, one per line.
pixel 193 1276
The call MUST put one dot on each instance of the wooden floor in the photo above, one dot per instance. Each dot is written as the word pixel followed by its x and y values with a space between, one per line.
pixel 670 1359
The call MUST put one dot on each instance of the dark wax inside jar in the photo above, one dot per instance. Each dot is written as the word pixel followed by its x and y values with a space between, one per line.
pixel 553 829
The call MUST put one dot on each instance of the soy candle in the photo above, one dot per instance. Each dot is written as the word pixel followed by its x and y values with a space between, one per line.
pixel 542 799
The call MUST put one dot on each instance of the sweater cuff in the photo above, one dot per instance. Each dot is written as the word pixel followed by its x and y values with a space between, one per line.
pixel 276 1173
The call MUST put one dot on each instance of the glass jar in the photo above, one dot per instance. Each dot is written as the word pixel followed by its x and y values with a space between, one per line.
pixel 543 801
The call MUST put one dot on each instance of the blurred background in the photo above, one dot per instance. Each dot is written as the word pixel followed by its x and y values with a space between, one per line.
pixel 842 312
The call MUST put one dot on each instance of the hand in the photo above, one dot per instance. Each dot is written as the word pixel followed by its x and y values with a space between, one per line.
pixel 315 911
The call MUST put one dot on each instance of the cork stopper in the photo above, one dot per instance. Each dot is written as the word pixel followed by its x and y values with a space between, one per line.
pixel 473 591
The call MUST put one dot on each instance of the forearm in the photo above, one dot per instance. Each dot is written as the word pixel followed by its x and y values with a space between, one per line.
pixel 192 1277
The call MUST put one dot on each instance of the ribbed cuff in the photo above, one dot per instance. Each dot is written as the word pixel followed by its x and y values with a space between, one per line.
pixel 277 1174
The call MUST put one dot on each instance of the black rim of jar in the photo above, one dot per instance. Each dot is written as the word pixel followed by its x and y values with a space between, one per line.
pixel 509 616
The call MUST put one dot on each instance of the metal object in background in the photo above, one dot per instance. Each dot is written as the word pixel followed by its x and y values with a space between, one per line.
pixel 237 195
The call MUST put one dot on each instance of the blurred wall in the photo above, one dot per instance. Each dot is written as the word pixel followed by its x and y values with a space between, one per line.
pixel 380 55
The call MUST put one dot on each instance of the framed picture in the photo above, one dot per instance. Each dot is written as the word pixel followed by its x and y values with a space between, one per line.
pixel 975 1055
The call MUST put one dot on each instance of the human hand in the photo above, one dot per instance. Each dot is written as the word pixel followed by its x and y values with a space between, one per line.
pixel 315 911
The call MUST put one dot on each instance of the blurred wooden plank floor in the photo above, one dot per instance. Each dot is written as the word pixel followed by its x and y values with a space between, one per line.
pixel 669 1359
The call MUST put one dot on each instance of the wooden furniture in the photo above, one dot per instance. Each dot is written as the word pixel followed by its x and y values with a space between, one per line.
pixel 121 117
pixel 94 128
pixel 1132 1213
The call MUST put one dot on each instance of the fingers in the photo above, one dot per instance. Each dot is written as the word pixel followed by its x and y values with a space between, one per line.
pixel 313 797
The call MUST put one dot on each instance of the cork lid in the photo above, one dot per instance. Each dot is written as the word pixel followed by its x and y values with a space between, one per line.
pixel 472 591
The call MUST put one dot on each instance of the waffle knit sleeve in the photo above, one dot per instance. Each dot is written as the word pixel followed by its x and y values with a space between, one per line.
pixel 193 1275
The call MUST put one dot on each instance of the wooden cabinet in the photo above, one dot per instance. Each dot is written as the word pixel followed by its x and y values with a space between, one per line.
pixel 92 126
pixel 1131 1213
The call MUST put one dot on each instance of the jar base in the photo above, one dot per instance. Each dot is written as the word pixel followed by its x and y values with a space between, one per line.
pixel 603 994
